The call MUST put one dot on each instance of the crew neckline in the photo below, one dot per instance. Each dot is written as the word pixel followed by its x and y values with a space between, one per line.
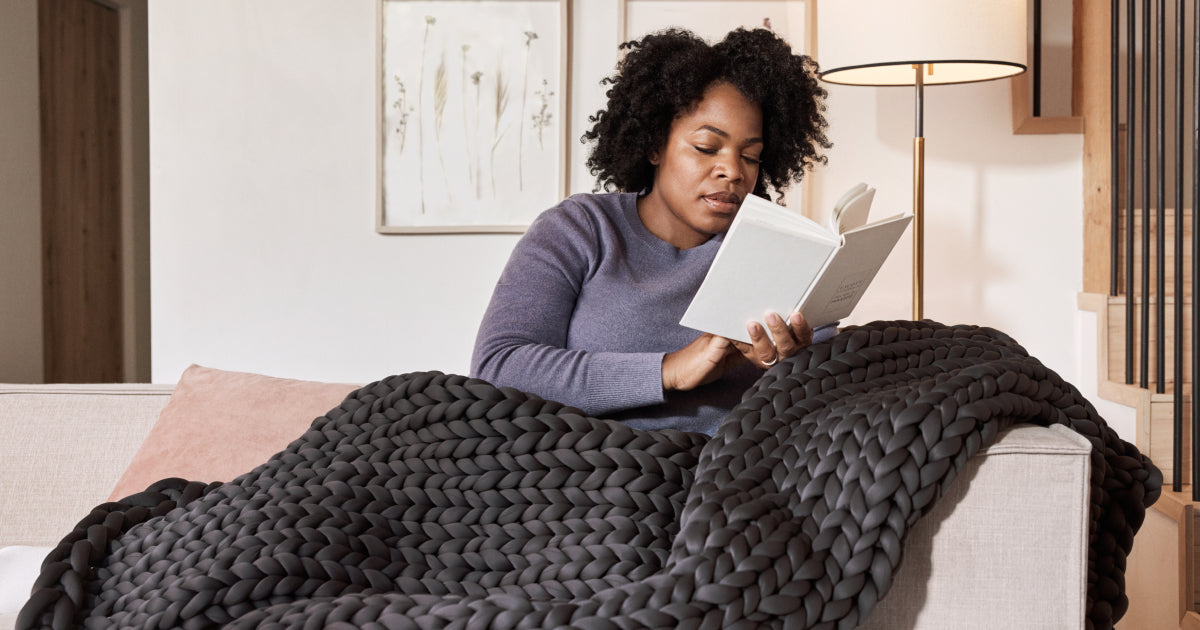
pixel 656 244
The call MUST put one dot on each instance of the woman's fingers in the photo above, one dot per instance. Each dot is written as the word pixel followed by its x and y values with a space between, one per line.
pixel 746 350
pixel 786 343
pixel 800 330
pixel 700 362
pixel 763 350
pixel 778 340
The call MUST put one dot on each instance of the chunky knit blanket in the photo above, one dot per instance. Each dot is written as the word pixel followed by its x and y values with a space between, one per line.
pixel 435 501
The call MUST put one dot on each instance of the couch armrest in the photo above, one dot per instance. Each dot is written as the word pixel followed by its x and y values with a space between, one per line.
pixel 1006 546
pixel 62 449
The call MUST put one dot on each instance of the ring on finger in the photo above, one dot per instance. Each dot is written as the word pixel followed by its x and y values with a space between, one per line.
pixel 772 361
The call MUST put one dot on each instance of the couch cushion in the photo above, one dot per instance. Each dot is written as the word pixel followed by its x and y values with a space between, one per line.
pixel 62 447
pixel 220 424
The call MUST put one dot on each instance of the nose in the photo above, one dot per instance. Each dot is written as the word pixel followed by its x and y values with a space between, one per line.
pixel 730 167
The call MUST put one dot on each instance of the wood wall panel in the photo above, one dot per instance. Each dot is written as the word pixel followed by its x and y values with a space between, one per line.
pixel 81 186
pixel 1151 577
pixel 1094 72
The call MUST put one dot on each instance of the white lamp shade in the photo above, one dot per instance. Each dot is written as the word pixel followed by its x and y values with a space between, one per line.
pixel 876 42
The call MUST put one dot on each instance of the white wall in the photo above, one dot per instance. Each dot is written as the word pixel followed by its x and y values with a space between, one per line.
pixel 1121 418
pixel 264 256
pixel 1003 213
pixel 21 359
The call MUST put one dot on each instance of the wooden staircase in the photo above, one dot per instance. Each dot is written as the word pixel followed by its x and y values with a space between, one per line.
pixel 1122 363
pixel 1163 576
pixel 1163 572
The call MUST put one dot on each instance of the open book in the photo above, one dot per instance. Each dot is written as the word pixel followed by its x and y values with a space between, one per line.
pixel 775 259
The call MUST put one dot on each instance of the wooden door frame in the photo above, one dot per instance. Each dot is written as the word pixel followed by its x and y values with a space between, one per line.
pixel 135 186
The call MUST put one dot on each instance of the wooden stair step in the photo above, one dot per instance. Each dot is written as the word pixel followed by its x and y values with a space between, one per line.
pixel 1168 251
pixel 1156 438
pixel 1117 340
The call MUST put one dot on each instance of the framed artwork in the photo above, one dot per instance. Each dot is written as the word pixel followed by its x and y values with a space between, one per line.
pixel 472 112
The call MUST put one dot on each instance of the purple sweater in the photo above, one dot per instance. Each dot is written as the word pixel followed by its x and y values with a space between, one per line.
pixel 585 309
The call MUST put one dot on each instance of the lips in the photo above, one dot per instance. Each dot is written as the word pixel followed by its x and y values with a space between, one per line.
pixel 723 202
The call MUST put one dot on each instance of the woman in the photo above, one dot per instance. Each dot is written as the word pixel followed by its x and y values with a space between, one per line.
pixel 587 310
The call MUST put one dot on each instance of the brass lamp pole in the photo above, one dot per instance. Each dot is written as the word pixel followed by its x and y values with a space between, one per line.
pixel 860 43
pixel 918 222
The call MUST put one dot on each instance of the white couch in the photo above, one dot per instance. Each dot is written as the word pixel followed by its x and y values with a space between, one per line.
pixel 1006 548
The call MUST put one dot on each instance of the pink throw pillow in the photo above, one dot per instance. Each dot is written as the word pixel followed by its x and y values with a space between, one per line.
pixel 218 425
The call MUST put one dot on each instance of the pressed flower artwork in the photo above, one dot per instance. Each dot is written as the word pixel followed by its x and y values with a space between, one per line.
pixel 473 121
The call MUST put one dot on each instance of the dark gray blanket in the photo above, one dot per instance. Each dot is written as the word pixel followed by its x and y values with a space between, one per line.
pixel 435 501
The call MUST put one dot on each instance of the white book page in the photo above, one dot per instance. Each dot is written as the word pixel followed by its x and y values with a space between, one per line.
pixel 854 214
pixel 767 212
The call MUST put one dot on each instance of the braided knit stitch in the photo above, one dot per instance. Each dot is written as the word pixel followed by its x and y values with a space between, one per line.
pixel 435 501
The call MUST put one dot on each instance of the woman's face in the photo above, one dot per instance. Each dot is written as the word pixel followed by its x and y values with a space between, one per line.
pixel 707 167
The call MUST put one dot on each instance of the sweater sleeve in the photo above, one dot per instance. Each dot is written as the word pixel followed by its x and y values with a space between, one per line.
pixel 522 339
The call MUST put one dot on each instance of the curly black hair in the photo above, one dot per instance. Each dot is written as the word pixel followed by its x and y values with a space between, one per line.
pixel 665 74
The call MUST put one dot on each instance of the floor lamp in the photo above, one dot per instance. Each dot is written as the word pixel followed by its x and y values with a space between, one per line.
pixel 919 43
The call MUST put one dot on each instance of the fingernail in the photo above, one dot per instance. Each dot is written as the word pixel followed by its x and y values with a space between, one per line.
pixel 773 318
pixel 752 328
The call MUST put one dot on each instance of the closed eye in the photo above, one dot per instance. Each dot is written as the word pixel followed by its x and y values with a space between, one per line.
pixel 710 151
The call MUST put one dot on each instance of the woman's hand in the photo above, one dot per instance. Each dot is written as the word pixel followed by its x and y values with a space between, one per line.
pixel 698 363
pixel 785 339
pixel 706 359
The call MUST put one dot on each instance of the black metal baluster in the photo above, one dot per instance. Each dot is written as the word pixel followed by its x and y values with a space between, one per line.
pixel 1114 142
pixel 1130 178
pixel 1195 255
pixel 1144 318
pixel 1037 57
pixel 1160 200
pixel 1177 371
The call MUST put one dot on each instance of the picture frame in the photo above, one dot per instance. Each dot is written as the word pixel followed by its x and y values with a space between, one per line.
pixel 473 137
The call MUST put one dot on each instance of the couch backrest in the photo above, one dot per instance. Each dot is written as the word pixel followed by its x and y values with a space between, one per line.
pixel 62 449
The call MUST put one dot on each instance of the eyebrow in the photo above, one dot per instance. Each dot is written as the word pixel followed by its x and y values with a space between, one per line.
pixel 724 134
